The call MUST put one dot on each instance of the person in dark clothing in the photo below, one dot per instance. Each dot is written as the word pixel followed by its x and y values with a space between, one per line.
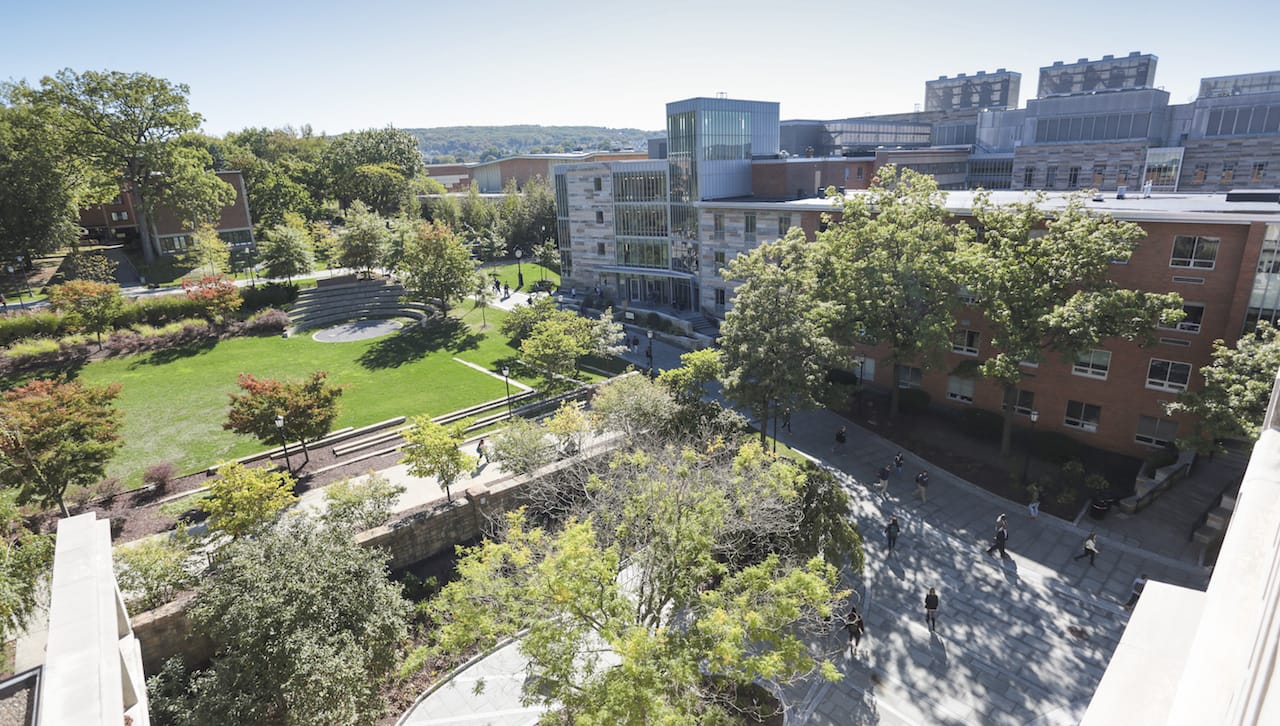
pixel 1139 584
pixel 786 418
pixel 922 486
pixel 854 625
pixel 882 481
pixel 1002 536
pixel 931 609
pixel 898 461
pixel 891 531
pixel 842 437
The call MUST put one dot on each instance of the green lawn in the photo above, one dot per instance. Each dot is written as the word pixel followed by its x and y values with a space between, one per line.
pixel 509 274
pixel 175 401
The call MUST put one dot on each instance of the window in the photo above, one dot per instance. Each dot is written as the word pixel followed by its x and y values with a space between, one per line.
pixel 718 230
pixel 1259 170
pixel 1028 176
pixel 909 377
pixel 1025 404
pixel 599 217
pixel 600 249
pixel 1228 171
pixel 599 184
pixel 1202 171
pixel 960 389
pixel 1194 314
pixel 749 227
pixel 1051 177
pixel 1073 177
pixel 176 243
pixel 119 216
pixel 1190 251
pixel 1083 416
pixel 965 341
pixel 1094 363
pixel 784 224
pixel 1168 375
pixel 1156 431
pixel 1099 171
pixel 719 297
pixel 965 297
pixel 720 262
pixel 1122 175
pixel 859 175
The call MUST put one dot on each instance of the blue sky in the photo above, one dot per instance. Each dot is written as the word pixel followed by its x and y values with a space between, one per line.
pixel 351 65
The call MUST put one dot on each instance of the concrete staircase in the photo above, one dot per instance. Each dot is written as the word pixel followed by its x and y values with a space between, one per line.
pixel 1218 515
pixel 329 305
pixel 705 326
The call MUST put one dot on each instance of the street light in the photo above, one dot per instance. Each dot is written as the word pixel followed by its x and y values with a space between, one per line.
pixel 1035 416
pixel 506 372
pixel 776 405
pixel 283 441
pixel 543 241
pixel 649 333
pixel 519 270
pixel 26 280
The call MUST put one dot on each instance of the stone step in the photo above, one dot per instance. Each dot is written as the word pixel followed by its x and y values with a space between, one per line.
pixel 1218 518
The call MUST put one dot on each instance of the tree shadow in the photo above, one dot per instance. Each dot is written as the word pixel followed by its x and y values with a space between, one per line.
pixel 414 343
pixel 178 352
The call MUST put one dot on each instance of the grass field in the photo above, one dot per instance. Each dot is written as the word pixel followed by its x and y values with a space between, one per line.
pixel 533 272
pixel 175 401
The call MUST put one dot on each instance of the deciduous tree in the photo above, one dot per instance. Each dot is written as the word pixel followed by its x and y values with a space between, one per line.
pixel 436 267
pixel 1049 290
pixel 775 341
pixel 25 559
pixel 365 239
pixel 1237 390
pixel 886 270
pixel 555 344
pixel 362 504
pixel 242 501
pixel 286 251
pixel 54 436
pixel 432 450
pixel 523 447
pixel 208 252
pixel 309 407
pixel 90 266
pixel 306 626
pixel 152 572
pixel 40 190
pixel 89 305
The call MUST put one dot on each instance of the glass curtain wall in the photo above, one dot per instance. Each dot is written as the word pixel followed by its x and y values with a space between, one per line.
pixel 1264 299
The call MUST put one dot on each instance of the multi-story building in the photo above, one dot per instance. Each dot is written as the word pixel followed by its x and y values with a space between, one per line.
pixel 655 234
pixel 118 220
pixel 982 90
pixel 491 177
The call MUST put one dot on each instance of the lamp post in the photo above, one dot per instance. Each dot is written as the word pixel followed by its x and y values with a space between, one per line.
pixel 776 405
pixel 542 242
pixel 506 372
pixel 519 270
pixel 1035 416
pixel 283 441
pixel 649 354
pixel 25 279
pixel 857 392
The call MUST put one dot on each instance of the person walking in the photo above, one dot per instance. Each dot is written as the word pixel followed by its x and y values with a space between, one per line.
pixel 898 461
pixel 482 453
pixel 786 419
pixel 931 609
pixel 891 531
pixel 1001 538
pixel 1090 548
pixel 855 626
pixel 842 436
pixel 882 482
pixel 922 486
pixel 1139 584
pixel 1033 507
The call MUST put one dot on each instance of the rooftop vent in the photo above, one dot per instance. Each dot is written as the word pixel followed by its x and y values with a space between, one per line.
pixel 1254 195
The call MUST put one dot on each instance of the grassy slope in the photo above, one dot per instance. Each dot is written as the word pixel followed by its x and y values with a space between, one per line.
pixel 175 404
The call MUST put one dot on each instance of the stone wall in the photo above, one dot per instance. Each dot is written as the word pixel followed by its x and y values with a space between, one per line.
pixel 166 631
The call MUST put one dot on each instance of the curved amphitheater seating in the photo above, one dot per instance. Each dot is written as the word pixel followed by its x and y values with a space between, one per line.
pixel 319 306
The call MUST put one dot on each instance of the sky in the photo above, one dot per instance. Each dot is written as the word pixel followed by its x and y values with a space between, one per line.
pixel 340 66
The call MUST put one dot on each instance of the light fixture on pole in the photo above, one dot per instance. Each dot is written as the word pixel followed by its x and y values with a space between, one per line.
pixel 284 442
pixel 519 270
pixel 649 354
pixel 506 373
pixel 25 279
pixel 1035 416
pixel 776 405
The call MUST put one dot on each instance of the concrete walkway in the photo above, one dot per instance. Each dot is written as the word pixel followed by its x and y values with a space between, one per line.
pixel 1022 639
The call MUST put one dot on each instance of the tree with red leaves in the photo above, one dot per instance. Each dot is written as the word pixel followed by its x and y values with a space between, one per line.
pixel 309 408
pixel 217 293
pixel 56 435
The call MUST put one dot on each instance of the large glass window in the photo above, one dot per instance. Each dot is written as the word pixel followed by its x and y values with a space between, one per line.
pixel 1192 251
pixel 1193 314
pixel 640 220
pixel 784 224
pixel 1083 416
pixel 749 227
pixel 643 253
pixel 684 256
pixel 1168 375
pixel 960 389
pixel 639 186
pixel 717 232
pixel 965 341
pixel 910 377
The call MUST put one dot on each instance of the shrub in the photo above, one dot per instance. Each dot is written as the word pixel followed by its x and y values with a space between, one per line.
pixel 159 310
pixel 266 322
pixel 108 488
pixel 78 498
pixel 33 346
pixel 159 476
pixel 913 400
pixel 267 296
pixel 152 572
pixel 1056 447
pixel 38 324
pixel 653 320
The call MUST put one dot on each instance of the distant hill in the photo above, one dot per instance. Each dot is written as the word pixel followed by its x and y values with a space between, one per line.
pixel 482 143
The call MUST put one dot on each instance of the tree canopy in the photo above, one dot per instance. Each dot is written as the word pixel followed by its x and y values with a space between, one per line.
pixel 309 407
pixel 242 501
pixel 92 306
pixel 1237 390
pixel 56 435
pixel 436 265
pixel 38 198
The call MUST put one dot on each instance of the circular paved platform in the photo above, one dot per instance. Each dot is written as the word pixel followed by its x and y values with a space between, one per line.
pixel 357 330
